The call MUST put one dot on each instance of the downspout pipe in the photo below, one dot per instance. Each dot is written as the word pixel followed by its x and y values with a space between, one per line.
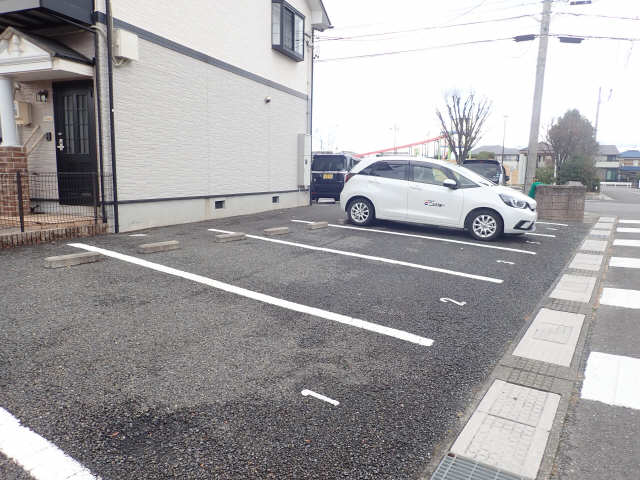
pixel 111 114
pixel 96 48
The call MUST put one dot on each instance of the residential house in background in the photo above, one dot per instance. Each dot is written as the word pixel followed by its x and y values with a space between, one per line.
pixel 607 163
pixel 629 166
pixel 172 112
pixel 509 157
pixel 545 159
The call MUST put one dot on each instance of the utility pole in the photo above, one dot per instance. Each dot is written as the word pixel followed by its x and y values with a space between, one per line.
pixel 532 158
pixel 504 134
pixel 595 129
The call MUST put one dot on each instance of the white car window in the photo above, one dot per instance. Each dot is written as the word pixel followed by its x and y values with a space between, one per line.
pixel 428 174
pixel 473 176
pixel 394 170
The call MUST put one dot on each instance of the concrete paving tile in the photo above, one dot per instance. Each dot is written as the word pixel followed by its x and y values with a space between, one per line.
pixel 603 226
pixel 585 261
pixel 607 219
pixel 600 233
pixel 552 337
pixel 594 245
pixel 510 428
pixel 574 288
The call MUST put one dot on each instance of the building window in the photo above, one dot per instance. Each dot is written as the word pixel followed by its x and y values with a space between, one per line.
pixel 287 30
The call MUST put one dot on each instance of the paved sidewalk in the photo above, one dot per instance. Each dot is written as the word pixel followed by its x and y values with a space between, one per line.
pixel 601 434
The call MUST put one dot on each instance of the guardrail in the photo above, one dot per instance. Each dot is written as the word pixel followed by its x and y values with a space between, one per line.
pixel 617 184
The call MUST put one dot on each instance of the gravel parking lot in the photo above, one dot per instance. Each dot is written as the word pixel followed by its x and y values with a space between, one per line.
pixel 193 366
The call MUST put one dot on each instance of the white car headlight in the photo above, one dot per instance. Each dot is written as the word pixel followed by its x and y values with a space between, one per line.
pixel 513 201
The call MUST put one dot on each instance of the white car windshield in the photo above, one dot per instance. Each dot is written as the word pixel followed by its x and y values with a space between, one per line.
pixel 471 175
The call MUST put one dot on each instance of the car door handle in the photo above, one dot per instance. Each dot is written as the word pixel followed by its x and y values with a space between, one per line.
pixel 415 188
pixel 373 181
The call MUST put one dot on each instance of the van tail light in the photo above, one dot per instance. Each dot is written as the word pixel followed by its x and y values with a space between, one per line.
pixel 348 176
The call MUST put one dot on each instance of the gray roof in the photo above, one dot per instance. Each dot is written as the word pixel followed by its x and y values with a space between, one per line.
pixel 496 149
pixel 608 150
pixel 543 147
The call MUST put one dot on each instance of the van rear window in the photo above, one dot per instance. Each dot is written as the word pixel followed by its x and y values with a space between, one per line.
pixel 329 163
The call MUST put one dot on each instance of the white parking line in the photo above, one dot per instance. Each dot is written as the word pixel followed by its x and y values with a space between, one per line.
pixel 628 230
pixel 626 243
pixel 620 297
pixel 551 223
pixel 425 237
pixel 505 261
pixel 261 297
pixel 311 393
pixel 541 235
pixel 41 458
pixel 371 257
pixel 628 221
pixel 612 379
pixel 624 262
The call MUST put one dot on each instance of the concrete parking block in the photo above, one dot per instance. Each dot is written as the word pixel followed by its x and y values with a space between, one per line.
pixel 72 259
pixel 594 245
pixel 343 221
pixel 574 288
pixel 551 338
pixel 586 261
pixel 230 237
pixel 600 233
pixel 158 246
pixel 509 429
pixel 317 225
pixel 270 232
pixel 603 226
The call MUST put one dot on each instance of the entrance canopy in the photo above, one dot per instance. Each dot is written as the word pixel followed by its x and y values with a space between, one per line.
pixel 28 57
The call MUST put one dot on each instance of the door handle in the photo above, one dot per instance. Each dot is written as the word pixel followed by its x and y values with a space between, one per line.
pixel 415 188
pixel 373 181
pixel 60 145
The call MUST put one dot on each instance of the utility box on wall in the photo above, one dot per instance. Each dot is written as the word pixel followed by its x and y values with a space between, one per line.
pixel 22 111
pixel 304 160
pixel 125 45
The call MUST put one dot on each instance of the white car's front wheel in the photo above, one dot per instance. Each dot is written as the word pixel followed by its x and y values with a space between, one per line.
pixel 485 225
pixel 360 212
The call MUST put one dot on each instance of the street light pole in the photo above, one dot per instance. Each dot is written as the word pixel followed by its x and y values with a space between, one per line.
pixel 532 158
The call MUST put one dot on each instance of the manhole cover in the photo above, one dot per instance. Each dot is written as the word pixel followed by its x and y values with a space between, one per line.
pixel 457 468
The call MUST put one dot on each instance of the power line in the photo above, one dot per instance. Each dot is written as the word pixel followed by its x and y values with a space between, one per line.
pixel 397 52
pixel 594 15
pixel 476 42
pixel 419 29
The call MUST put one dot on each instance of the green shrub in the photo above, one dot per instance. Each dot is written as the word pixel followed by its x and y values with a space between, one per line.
pixel 579 169
pixel 545 175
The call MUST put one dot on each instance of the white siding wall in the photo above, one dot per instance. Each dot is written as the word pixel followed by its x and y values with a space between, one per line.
pixel 235 31
pixel 186 128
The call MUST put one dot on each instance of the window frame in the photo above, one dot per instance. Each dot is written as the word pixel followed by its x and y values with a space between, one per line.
pixel 406 163
pixel 291 53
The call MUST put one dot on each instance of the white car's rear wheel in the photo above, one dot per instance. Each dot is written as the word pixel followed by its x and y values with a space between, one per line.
pixel 360 212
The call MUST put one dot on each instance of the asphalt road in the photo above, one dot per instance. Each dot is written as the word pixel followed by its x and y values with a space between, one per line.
pixel 624 203
pixel 140 374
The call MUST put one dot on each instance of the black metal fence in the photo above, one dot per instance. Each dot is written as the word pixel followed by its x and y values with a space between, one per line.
pixel 32 201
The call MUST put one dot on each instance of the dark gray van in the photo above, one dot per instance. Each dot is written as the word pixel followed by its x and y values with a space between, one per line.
pixel 327 174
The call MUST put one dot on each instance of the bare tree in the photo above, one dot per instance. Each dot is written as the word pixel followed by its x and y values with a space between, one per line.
pixel 464 121
pixel 572 135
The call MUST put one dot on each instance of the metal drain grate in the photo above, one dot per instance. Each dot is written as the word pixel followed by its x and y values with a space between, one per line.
pixel 458 468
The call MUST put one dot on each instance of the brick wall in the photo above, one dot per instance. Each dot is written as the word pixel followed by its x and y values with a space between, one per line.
pixel 12 161
pixel 560 202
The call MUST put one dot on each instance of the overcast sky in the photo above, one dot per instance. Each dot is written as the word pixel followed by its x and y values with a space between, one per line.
pixel 358 101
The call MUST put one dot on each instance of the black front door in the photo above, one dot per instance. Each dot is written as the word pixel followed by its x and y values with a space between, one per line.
pixel 75 138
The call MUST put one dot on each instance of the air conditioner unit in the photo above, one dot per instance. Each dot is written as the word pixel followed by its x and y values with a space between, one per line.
pixel 22 111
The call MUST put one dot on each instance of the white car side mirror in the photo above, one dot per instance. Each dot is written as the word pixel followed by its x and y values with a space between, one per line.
pixel 449 183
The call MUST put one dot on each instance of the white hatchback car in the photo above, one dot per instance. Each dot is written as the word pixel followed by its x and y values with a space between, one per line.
pixel 433 192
